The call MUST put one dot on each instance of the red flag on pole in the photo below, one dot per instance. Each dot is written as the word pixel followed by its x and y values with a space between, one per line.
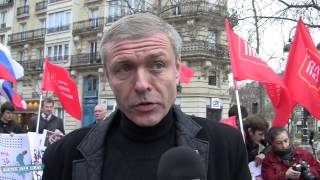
pixel 57 79
pixel 186 74
pixel 231 121
pixel 280 99
pixel 303 71
pixel 246 64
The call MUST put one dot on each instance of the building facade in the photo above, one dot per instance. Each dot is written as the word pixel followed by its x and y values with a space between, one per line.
pixel 69 33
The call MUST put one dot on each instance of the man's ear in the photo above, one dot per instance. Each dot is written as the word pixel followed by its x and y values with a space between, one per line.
pixel 177 64
pixel 250 131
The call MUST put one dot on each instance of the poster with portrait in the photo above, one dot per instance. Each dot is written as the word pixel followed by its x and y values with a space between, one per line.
pixel 50 137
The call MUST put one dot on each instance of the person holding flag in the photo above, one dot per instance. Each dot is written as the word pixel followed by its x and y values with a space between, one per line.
pixel 48 121
pixel 141 54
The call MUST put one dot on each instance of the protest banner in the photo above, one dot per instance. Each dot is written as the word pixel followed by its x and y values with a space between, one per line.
pixel 20 156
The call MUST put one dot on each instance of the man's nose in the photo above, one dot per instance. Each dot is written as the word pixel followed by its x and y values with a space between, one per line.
pixel 142 80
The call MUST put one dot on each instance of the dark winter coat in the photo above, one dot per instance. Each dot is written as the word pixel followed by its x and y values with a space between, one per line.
pixel 52 124
pixel 10 127
pixel 79 155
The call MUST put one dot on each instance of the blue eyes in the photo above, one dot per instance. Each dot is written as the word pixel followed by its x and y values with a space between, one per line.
pixel 158 66
pixel 126 70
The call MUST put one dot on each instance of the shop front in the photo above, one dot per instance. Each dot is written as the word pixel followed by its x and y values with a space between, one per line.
pixel 22 117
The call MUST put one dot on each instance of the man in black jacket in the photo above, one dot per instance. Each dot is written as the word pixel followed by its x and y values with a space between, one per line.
pixel 141 54
pixel 47 121
pixel 7 123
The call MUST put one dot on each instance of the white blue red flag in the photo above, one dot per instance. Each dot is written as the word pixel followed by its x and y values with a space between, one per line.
pixel 10 95
pixel 10 69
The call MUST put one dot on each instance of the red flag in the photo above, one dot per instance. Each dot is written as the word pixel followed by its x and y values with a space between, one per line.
pixel 48 79
pixel 303 71
pixel 230 121
pixel 246 64
pixel 57 79
pixel 186 74
pixel 280 99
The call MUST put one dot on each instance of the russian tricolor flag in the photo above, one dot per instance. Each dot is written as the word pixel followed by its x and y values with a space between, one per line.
pixel 10 95
pixel 10 69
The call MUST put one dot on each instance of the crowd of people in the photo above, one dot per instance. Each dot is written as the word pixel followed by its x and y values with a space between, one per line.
pixel 142 58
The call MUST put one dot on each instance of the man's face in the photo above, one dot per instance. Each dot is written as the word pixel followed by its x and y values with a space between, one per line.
pixel 47 108
pixel 7 115
pixel 281 141
pixel 257 136
pixel 143 74
pixel 99 113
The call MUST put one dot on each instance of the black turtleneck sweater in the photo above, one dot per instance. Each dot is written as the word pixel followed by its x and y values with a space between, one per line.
pixel 133 152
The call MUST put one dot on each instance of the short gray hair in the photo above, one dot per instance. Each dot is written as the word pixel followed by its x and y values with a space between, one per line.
pixel 138 26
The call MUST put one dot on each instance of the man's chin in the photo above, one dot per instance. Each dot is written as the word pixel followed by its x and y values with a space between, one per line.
pixel 146 121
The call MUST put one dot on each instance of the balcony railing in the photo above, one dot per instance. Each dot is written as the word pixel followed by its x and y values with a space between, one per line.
pixel 24 10
pixel 37 34
pixel 42 5
pixel 86 59
pixel 111 19
pixel 90 1
pixel 53 1
pixel 203 48
pixel 32 65
pixel 91 25
pixel 192 8
pixel 6 3
pixel 59 59
pixel 3 26
pixel 58 28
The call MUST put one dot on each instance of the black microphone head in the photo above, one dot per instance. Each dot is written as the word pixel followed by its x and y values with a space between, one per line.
pixel 180 163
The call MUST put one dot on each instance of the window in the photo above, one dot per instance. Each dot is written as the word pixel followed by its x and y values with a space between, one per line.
pixel 40 56
pixel 212 4
pixel 60 113
pixel 119 8
pixel 212 78
pixel 110 105
pixel 93 50
pixel 21 56
pixel 113 8
pixel 23 29
pixel 25 2
pixel 176 10
pixel 211 40
pixel 2 39
pixel 59 21
pixel 42 23
pixel 93 17
pixel 90 86
pixel 40 53
pixel 3 19
pixel 58 52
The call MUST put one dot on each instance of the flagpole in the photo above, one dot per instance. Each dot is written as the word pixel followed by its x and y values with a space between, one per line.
pixel 40 103
pixel 39 113
pixel 239 109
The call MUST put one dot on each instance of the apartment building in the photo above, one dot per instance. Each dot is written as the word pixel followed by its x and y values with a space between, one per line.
pixel 69 32
pixel 6 13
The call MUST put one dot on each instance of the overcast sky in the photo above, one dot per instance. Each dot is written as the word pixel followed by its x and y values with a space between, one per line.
pixel 273 37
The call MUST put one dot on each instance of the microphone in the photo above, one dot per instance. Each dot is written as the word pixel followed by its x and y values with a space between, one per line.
pixel 180 163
